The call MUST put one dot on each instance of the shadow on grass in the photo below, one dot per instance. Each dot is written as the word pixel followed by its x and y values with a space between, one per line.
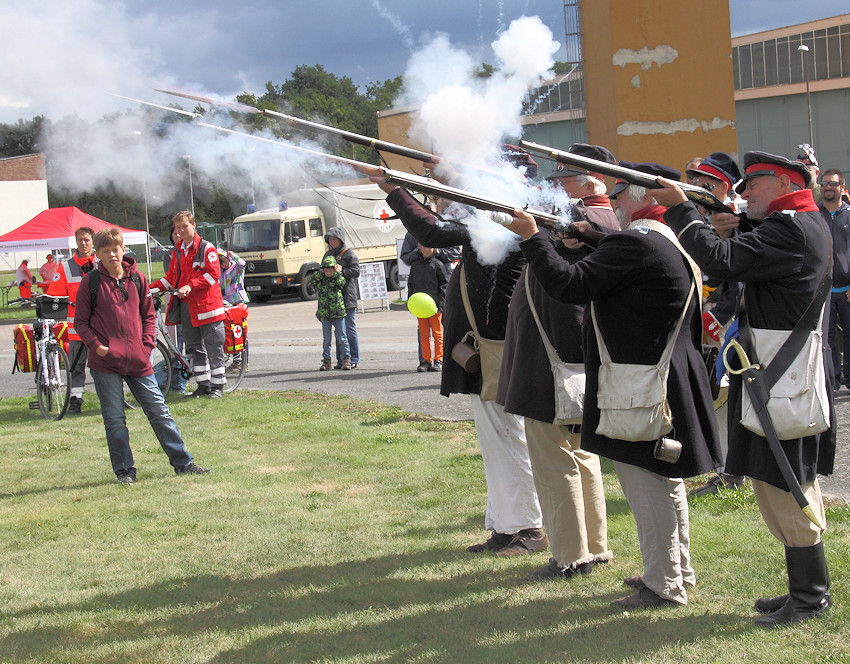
pixel 382 609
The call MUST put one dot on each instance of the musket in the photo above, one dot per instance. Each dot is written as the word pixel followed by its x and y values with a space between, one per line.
pixel 349 136
pixel 414 182
pixel 698 195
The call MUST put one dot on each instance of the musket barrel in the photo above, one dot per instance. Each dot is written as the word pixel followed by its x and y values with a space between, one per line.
pixel 696 194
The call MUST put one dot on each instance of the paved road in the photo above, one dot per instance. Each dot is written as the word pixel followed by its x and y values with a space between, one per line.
pixel 286 352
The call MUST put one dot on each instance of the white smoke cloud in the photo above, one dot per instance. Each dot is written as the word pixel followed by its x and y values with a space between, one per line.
pixel 466 118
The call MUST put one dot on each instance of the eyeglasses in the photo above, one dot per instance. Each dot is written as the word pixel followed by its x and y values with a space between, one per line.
pixel 123 290
pixel 830 183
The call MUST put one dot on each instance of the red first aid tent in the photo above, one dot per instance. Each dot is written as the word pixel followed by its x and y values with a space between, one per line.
pixel 54 229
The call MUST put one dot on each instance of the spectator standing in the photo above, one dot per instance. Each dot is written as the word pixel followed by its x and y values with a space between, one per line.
pixel 349 264
pixel 330 310
pixel 24 280
pixel 48 269
pixel 428 275
pixel 66 282
pixel 836 214
pixel 195 276
pixel 118 326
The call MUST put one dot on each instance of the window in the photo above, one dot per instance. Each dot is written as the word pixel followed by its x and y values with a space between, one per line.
pixel 746 66
pixel 783 61
pixel 771 76
pixel 736 74
pixel 758 65
pixel 315 228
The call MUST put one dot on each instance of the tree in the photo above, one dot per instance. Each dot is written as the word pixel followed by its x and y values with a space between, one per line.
pixel 20 138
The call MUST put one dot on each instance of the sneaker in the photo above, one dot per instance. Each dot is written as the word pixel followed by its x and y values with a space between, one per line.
pixel 201 391
pixel 346 364
pixel 495 542
pixel 126 479
pixel 530 540
pixel 75 406
pixel 235 367
pixel 192 469
pixel 214 393
pixel 326 364
pixel 437 366
pixel 554 570
pixel 354 365
pixel 423 367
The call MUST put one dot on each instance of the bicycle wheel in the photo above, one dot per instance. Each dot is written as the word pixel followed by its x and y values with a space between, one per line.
pixel 234 369
pixel 53 382
pixel 162 367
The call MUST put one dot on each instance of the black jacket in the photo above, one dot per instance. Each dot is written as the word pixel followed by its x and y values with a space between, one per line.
pixel 839 227
pixel 781 261
pixel 428 275
pixel 639 282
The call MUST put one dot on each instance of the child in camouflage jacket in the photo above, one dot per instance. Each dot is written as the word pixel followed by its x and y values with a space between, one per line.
pixel 329 281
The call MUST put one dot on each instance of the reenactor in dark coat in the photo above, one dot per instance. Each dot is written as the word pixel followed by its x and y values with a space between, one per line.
pixel 782 256
pixel 639 282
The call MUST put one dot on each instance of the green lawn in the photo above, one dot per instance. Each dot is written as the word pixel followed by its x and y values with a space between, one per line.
pixel 333 530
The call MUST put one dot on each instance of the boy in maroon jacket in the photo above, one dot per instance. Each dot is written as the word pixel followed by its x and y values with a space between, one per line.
pixel 120 333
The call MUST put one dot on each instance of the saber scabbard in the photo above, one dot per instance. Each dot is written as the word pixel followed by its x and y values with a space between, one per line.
pixel 753 378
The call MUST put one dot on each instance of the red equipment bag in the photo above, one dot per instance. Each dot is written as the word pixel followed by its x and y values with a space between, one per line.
pixel 236 328
pixel 25 359
pixel 60 331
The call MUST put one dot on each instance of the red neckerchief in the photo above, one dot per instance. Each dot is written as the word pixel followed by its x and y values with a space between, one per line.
pixel 655 212
pixel 799 201
pixel 597 201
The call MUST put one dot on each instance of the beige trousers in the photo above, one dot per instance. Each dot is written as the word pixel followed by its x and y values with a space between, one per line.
pixel 660 507
pixel 569 487
pixel 783 515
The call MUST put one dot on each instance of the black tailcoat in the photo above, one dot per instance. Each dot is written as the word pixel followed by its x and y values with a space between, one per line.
pixel 639 282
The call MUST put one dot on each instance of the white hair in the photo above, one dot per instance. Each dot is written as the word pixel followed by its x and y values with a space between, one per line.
pixel 599 187
pixel 637 193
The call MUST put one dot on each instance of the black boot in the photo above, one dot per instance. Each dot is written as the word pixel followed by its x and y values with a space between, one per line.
pixel 770 604
pixel 808 586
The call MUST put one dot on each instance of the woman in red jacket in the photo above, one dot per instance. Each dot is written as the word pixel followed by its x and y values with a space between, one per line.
pixel 195 276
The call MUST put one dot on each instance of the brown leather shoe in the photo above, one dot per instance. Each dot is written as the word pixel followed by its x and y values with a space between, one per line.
pixel 530 540
pixel 644 598
pixel 495 542
pixel 633 582
pixel 556 571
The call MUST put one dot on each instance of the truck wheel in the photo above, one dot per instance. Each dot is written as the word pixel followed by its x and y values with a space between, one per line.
pixel 260 298
pixel 307 290
pixel 393 282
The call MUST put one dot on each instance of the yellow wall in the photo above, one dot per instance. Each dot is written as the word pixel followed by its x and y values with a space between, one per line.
pixel 658 78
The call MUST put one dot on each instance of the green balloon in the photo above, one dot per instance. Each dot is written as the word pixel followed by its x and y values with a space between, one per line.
pixel 421 305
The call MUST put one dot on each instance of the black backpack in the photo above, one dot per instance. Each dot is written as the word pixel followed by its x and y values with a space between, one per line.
pixel 94 287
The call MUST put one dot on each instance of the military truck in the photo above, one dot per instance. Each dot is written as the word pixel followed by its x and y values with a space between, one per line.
pixel 283 246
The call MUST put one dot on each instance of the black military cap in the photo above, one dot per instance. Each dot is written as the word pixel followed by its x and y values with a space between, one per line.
pixel 763 163
pixel 718 165
pixel 644 167
pixel 596 152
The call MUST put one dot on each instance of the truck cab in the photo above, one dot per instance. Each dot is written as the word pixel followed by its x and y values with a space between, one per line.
pixel 282 247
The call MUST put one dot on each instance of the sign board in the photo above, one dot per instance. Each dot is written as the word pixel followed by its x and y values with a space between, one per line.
pixel 372 281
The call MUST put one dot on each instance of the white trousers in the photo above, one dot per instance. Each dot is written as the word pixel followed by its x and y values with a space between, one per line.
pixel 660 507
pixel 512 503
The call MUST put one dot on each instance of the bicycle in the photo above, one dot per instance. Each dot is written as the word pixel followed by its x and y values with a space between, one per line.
pixel 52 373
pixel 167 358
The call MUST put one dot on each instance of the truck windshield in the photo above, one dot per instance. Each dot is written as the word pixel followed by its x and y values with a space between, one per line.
pixel 255 236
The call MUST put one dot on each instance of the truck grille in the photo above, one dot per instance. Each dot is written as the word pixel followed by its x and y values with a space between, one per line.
pixel 260 267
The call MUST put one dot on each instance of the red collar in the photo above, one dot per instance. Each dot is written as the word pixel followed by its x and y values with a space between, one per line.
pixel 597 201
pixel 799 201
pixel 655 212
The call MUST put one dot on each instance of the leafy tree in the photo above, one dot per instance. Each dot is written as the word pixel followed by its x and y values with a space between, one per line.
pixel 20 138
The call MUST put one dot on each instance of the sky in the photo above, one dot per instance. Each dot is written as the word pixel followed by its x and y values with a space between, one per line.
pixel 60 56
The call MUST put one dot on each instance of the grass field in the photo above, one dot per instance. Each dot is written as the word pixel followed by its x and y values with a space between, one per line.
pixel 333 530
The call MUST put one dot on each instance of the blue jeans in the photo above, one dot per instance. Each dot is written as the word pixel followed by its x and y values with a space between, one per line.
pixel 338 325
pixel 351 333
pixel 110 391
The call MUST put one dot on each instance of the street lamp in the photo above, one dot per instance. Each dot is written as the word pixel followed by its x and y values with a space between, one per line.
pixel 147 221
pixel 188 159
pixel 803 51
